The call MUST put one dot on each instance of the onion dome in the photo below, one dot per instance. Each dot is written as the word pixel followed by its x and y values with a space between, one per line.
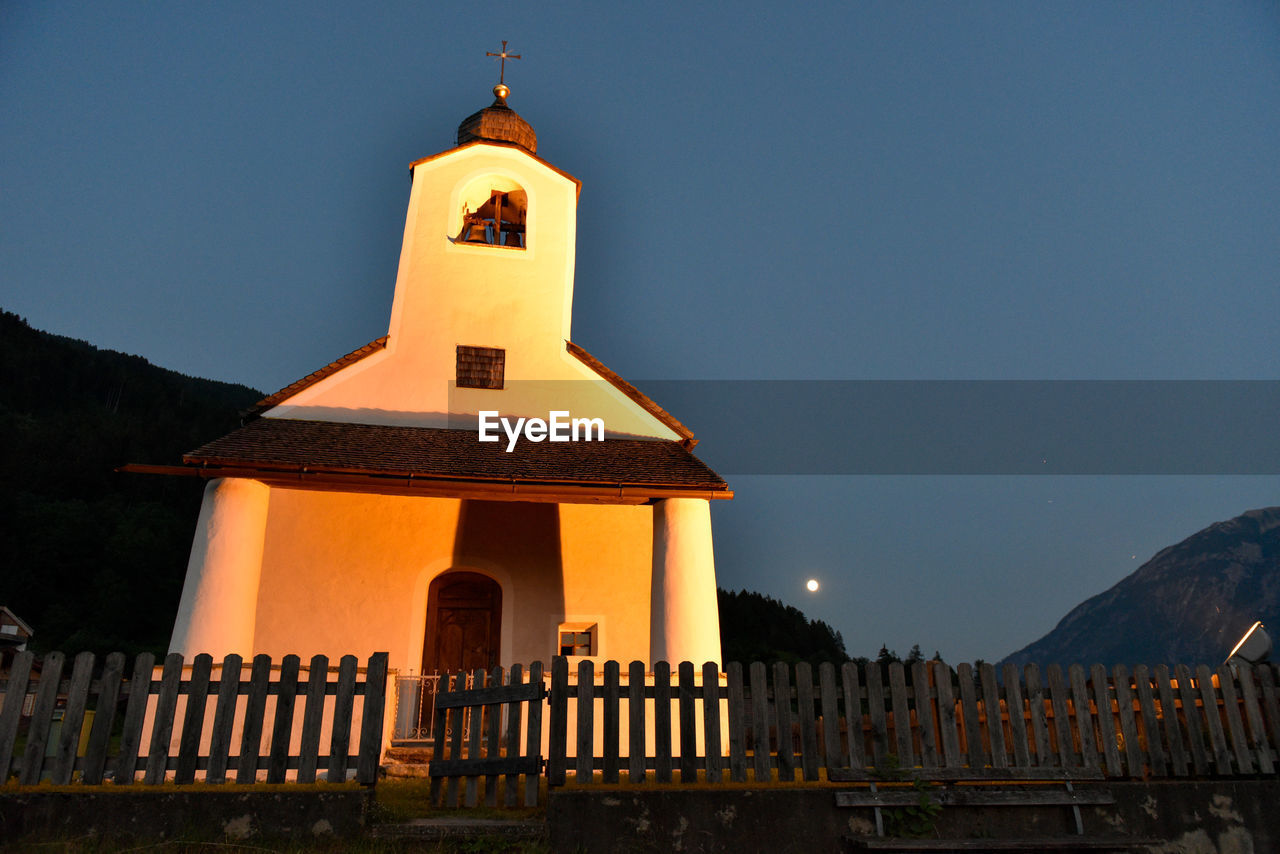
pixel 498 123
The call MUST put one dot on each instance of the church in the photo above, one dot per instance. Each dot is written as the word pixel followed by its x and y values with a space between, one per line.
pixel 471 489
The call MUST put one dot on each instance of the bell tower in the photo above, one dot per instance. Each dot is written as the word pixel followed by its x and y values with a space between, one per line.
pixel 488 253
pixel 482 313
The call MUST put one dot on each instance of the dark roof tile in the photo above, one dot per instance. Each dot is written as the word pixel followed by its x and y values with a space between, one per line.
pixel 287 444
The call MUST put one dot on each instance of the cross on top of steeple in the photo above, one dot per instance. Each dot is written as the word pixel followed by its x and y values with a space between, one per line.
pixel 503 57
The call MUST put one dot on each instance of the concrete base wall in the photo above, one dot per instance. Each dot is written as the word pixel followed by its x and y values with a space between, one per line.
pixel 1185 817
pixel 30 816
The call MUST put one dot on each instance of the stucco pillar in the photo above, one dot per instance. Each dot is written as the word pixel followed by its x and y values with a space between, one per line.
pixel 684 617
pixel 220 595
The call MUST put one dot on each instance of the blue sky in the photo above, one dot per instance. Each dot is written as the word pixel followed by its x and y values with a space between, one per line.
pixel 856 191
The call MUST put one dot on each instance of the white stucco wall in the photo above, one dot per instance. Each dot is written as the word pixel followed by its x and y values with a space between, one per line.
pixel 685 614
pixel 217 611
pixel 348 573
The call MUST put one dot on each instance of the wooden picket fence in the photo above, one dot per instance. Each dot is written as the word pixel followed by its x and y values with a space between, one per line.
pixel 181 697
pixel 470 738
pixel 864 722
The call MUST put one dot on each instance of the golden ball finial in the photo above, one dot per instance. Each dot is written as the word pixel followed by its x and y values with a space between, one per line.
pixel 501 92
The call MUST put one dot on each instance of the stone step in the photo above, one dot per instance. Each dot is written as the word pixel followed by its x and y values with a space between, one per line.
pixel 405 769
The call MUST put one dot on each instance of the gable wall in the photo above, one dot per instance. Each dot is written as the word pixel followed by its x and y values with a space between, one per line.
pixel 450 293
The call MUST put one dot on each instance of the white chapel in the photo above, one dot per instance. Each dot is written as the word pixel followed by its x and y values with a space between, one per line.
pixel 357 510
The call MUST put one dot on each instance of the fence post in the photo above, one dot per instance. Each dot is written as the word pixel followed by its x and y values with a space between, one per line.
pixel 688 725
pixel 15 699
pixel 1084 719
pixel 762 765
pixel 1017 717
pixel 1146 701
pixel 782 713
pixel 1039 724
pixel 737 724
pixel 282 722
pixel 533 737
pixel 1106 722
pixel 493 750
pixel 64 762
pixel 162 721
pixel 901 715
pixel 1128 725
pixel 808 726
pixel 995 723
pixel 584 766
pixel 375 701
pixel 41 718
pixel 636 772
pixel 711 720
pixel 474 714
pixel 1061 718
pixel 95 756
pixel 340 734
pixel 662 721
pixel 924 714
pixel 1270 702
pixel 1235 724
pixel 610 726
pixel 254 710
pixel 1193 721
pixel 139 689
pixel 875 711
pixel 852 690
pixel 830 715
pixel 1253 714
pixel 515 676
pixel 557 745
pixel 193 720
pixel 224 714
pixel 946 714
pixel 313 719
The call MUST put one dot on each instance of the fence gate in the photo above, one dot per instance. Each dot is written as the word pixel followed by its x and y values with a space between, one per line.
pixel 472 739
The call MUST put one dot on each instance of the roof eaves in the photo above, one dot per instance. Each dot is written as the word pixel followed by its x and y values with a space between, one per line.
pixel 577 183
pixel 646 402
pixel 215 464
pixel 22 624
pixel 384 482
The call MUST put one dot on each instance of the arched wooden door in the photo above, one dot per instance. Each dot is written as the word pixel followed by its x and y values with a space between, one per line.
pixel 464 623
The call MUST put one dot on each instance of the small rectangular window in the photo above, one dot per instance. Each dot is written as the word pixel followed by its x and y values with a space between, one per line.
pixel 481 367
pixel 578 639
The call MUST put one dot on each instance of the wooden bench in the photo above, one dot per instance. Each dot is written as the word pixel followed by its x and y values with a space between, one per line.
pixel 1023 787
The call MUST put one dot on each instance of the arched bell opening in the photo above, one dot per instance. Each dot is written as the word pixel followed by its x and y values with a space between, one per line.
pixel 494 215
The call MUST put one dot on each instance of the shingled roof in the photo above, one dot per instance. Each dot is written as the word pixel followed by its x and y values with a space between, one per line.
pixel 284 446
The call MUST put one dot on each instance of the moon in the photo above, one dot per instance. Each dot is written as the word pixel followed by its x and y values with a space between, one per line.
pixel 812 585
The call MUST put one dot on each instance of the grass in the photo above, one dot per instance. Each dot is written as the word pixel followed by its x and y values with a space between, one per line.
pixel 135 788
pixel 395 801
pixel 323 846
pixel 403 800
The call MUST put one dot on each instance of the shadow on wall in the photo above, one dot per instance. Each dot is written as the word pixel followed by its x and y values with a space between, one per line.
pixel 517 544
